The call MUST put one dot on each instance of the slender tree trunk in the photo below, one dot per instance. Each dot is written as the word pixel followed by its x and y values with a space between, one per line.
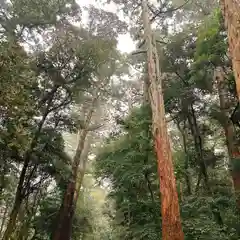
pixel 186 163
pixel 22 234
pixel 66 213
pixel 64 226
pixel 223 100
pixel 231 13
pixel 198 147
pixel 3 172
pixel 228 127
pixel 21 189
pixel 3 219
pixel 12 219
pixel 171 221
pixel 82 168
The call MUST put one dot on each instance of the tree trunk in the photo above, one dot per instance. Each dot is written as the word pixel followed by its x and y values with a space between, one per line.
pixel 223 100
pixel 12 218
pixel 186 162
pixel 231 13
pixel 228 127
pixel 64 222
pixel 171 222
pixel 3 219
pixel 82 169
pixel 20 193
pixel 198 146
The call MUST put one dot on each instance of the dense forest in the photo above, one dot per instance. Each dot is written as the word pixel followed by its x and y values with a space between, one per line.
pixel 97 143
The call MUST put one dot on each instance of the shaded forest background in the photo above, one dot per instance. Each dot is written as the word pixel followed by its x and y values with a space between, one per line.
pixel 76 149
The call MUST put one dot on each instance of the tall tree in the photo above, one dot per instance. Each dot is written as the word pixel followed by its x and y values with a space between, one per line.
pixel 171 220
pixel 104 70
pixel 230 10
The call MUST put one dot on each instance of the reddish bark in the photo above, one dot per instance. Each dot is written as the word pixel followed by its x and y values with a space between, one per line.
pixel 231 13
pixel 171 222
pixel 229 131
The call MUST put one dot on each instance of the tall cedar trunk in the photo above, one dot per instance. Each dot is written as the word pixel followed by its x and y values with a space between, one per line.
pixel 228 126
pixel 231 13
pixel 171 221
pixel 147 134
pixel 63 229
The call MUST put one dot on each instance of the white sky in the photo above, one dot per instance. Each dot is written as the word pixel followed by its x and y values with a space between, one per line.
pixel 125 43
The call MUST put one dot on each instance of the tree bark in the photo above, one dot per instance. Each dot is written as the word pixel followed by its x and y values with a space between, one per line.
pixel 171 221
pixel 63 229
pixel 198 146
pixel 229 131
pixel 231 13
pixel 82 168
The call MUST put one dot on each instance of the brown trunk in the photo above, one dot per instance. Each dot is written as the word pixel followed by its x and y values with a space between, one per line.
pixel 198 146
pixel 21 190
pixel 171 222
pixel 66 213
pixel 23 229
pixel 186 163
pixel 228 127
pixel 63 230
pixel 231 13
pixel 223 100
pixel 12 219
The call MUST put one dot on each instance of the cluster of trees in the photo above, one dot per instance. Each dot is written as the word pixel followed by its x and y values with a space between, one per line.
pixel 77 156
pixel 55 73
pixel 201 103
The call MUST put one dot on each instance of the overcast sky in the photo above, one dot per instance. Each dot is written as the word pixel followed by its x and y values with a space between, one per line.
pixel 125 43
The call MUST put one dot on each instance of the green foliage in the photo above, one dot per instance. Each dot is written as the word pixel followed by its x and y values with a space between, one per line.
pixel 129 163
pixel 120 162
pixel 47 65
pixel 211 43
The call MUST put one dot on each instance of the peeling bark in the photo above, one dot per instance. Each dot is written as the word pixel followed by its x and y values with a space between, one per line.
pixel 229 131
pixel 171 221
pixel 231 13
